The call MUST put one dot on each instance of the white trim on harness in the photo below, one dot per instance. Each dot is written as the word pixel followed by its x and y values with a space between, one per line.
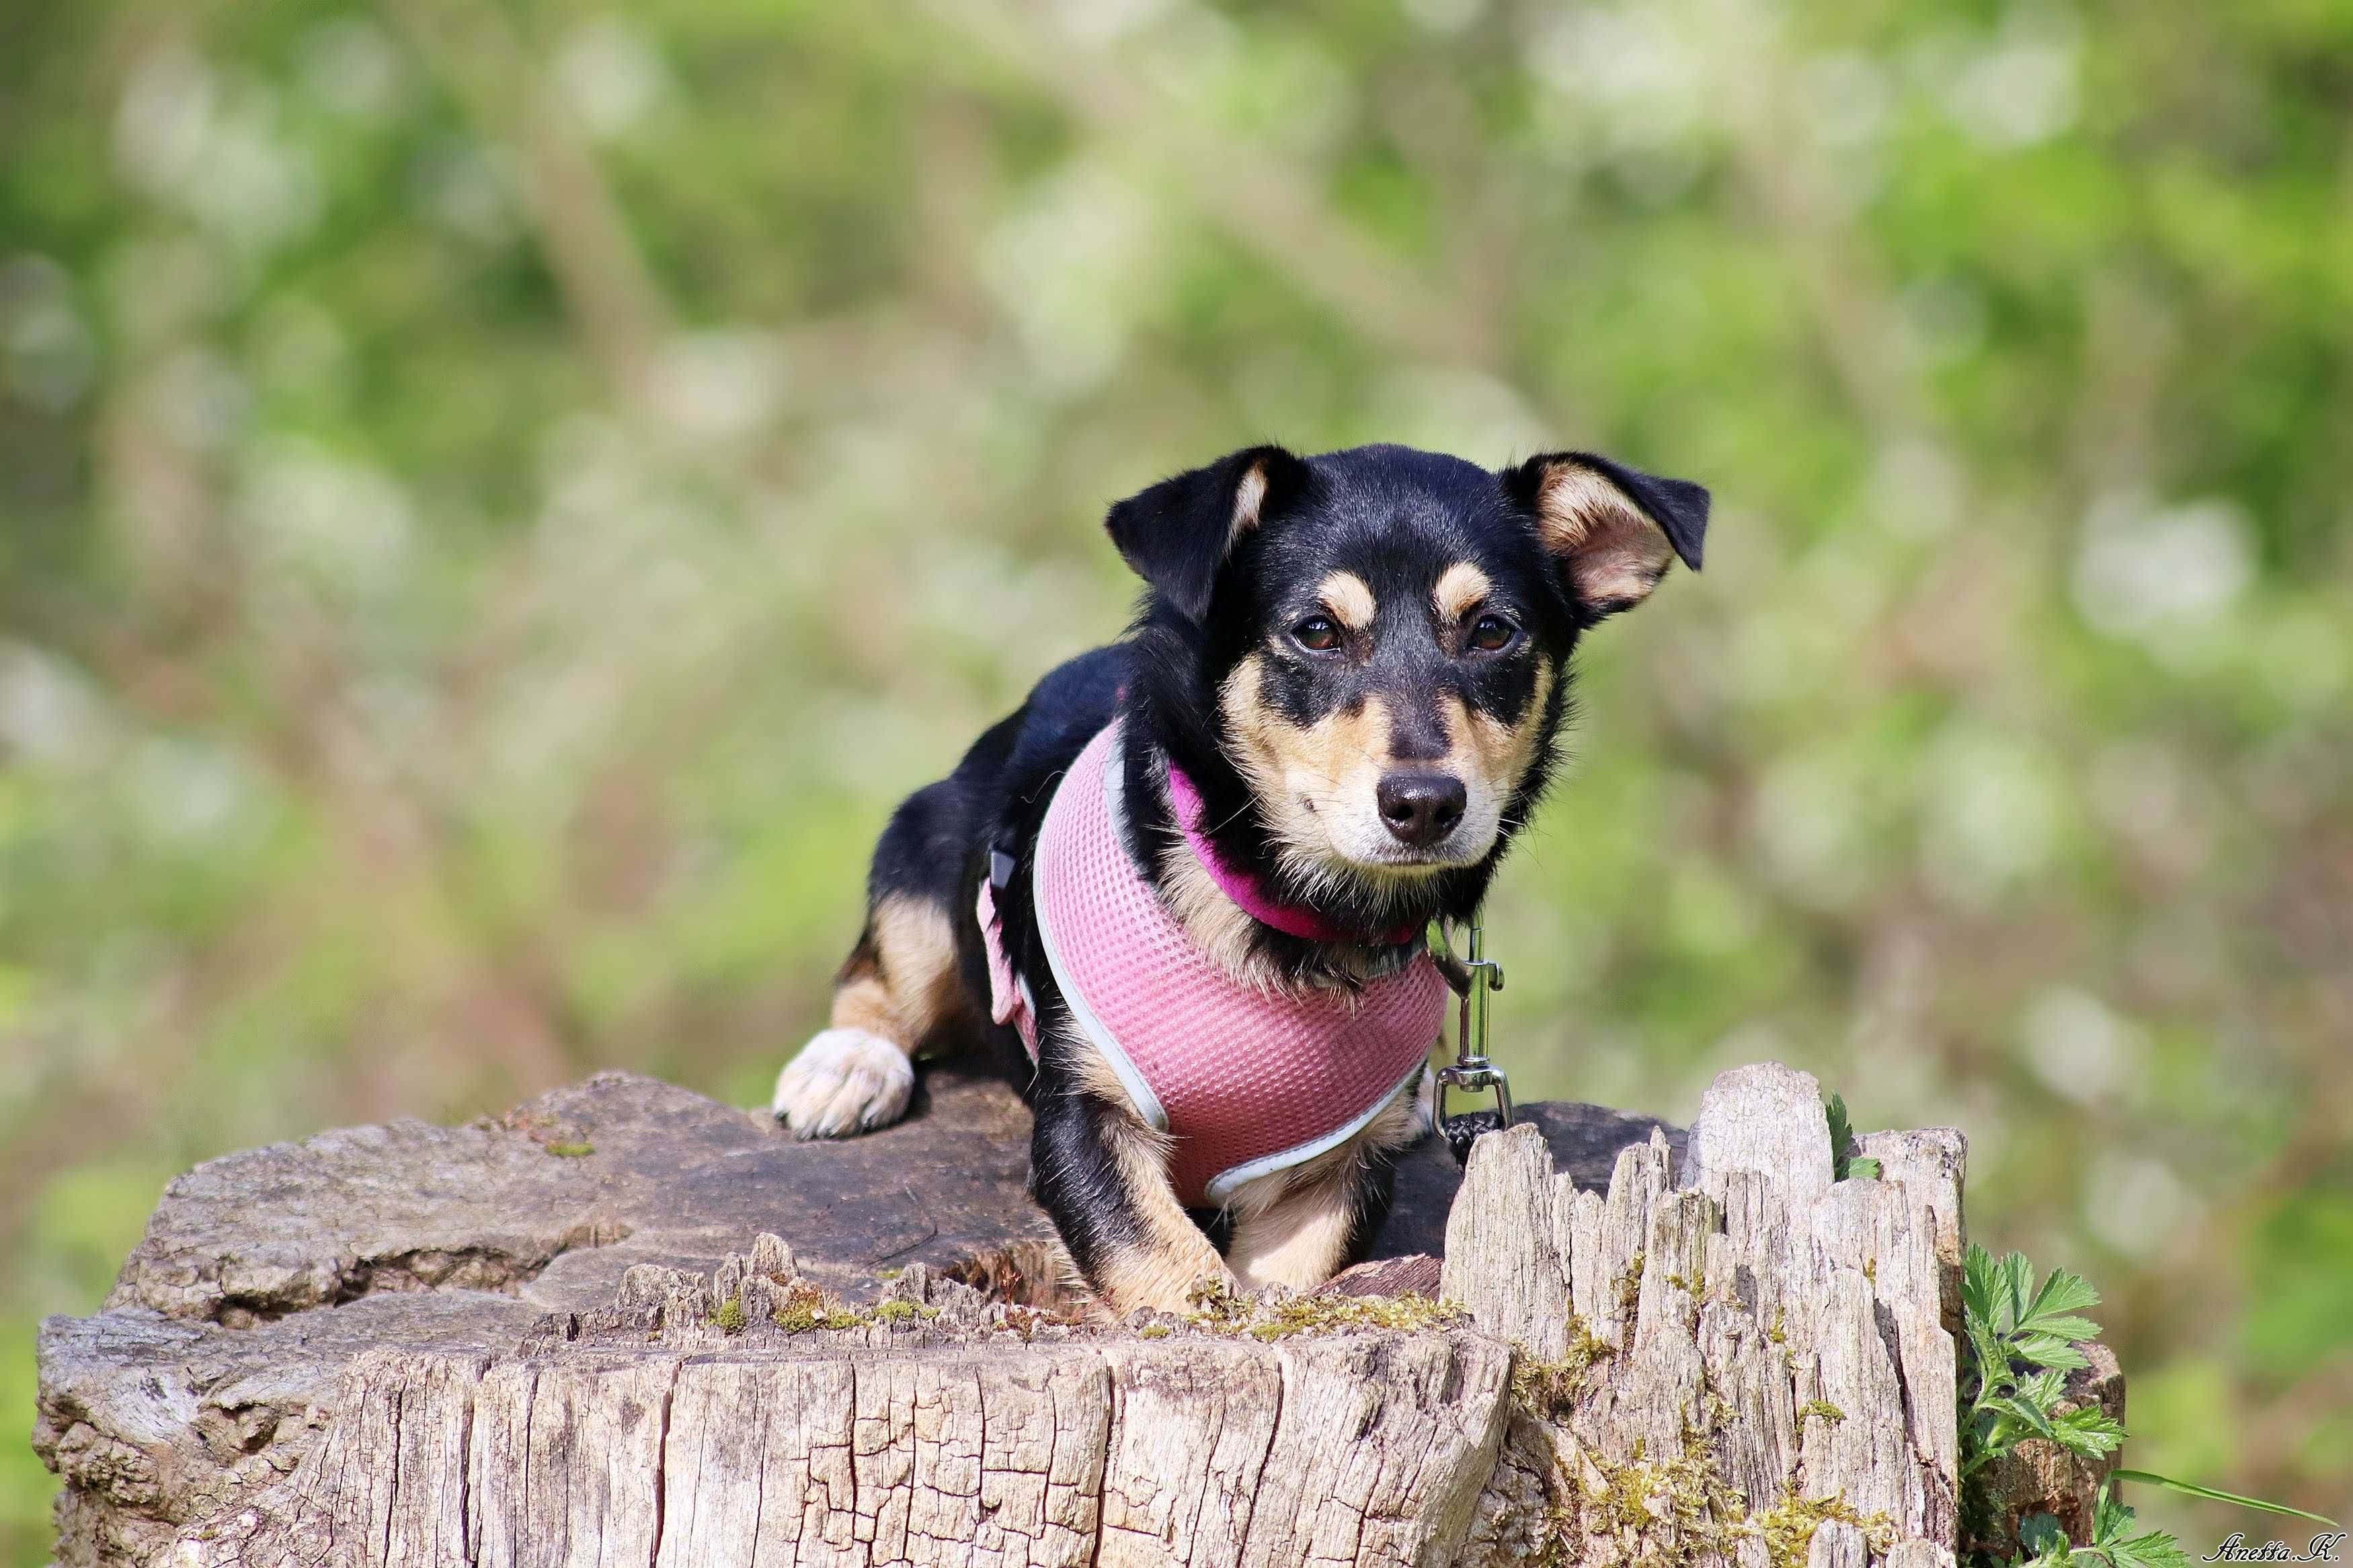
pixel 1220 1188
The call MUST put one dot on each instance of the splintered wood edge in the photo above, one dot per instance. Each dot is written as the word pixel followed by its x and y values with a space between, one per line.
pixel 1752 1346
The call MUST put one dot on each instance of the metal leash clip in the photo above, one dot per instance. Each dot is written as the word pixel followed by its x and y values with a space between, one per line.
pixel 1474 975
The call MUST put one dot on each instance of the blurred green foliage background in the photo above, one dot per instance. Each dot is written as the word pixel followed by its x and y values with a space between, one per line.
pixel 501 498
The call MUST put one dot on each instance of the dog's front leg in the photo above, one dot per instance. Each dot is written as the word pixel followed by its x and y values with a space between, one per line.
pixel 1103 1176
pixel 1300 1226
pixel 1297 1236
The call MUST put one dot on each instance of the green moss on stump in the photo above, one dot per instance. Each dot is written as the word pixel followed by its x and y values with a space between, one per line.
pixel 1220 1311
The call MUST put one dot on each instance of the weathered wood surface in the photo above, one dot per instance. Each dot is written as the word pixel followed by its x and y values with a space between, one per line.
pixel 214 1368
pixel 552 1201
pixel 703 1343
pixel 655 1436
pixel 1752 1356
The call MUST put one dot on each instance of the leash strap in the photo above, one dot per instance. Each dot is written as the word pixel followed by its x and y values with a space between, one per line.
pixel 1473 976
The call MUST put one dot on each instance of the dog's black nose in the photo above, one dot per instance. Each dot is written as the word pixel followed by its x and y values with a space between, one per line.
pixel 1420 808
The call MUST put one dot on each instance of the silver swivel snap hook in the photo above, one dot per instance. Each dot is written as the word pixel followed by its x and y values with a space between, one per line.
pixel 1474 975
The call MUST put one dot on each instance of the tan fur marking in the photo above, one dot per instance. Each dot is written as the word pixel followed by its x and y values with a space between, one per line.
pixel 1616 554
pixel 1300 1241
pixel 1216 923
pixel 1161 1268
pixel 1316 784
pixel 865 1003
pixel 1288 766
pixel 1163 1273
pixel 1292 1228
pixel 1249 496
pixel 1460 588
pixel 911 989
pixel 1349 600
pixel 1487 753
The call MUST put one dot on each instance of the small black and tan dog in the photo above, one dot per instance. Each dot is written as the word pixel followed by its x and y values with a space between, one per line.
pixel 1339 703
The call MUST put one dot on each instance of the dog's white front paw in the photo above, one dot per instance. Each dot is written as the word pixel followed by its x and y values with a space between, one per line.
pixel 845 1081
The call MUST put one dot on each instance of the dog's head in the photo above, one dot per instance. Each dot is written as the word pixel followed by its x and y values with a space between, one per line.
pixel 1377 643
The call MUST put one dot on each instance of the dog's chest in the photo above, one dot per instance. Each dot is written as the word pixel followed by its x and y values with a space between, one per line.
pixel 1245 1081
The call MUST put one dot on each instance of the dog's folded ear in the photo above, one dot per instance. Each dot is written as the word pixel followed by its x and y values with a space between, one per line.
pixel 1179 532
pixel 1614 530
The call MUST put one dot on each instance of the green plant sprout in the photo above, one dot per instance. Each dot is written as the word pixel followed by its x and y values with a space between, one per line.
pixel 2022 1343
pixel 2043 1544
pixel 1843 1166
pixel 2019 1340
pixel 2019 1343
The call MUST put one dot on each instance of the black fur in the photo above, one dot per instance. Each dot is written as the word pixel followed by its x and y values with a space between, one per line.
pixel 1178 533
pixel 1394 516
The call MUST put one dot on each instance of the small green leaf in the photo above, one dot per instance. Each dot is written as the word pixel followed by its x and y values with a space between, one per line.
pixel 2048 1350
pixel 2065 1326
pixel 2041 1535
pixel 2023 1412
pixel 2110 1517
pixel 1842 1130
pixel 2045 1389
pixel 1991 1356
pixel 2153 1549
pixel 2113 1542
pixel 2189 1488
pixel 1978 1275
pixel 1845 1167
pixel 2015 1287
pixel 2062 1292
pixel 2090 1433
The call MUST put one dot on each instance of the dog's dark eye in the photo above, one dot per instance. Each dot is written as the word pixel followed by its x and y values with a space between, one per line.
pixel 1490 633
pixel 1317 634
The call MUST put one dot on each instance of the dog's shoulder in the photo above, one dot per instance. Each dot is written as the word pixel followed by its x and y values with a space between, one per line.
pixel 1064 711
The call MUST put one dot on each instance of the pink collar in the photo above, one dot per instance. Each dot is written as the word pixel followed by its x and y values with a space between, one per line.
pixel 1244 888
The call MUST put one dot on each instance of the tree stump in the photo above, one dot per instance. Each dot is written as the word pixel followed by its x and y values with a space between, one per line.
pixel 627 1325
pixel 1756 1363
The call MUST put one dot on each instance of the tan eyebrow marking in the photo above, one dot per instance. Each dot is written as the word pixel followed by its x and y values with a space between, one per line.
pixel 1460 586
pixel 1350 601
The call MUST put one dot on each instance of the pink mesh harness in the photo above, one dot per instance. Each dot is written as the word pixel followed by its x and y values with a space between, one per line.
pixel 1245 1081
